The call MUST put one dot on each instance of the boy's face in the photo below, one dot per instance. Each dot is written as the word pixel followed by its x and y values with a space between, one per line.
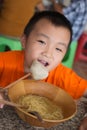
pixel 46 43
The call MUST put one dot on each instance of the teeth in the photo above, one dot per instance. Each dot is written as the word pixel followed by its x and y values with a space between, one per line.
pixel 43 62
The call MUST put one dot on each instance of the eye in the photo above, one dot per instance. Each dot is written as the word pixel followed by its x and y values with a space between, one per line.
pixel 42 42
pixel 58 49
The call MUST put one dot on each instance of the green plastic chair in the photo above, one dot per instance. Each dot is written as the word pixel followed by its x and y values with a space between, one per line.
pixel 11 43
pixel 69 57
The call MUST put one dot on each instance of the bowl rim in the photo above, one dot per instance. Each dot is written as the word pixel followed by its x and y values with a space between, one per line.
pixel 48 120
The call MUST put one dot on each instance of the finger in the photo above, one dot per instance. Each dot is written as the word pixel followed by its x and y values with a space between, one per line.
pixel 1 106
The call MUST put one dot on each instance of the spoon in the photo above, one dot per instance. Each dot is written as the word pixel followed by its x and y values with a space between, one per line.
pixel 35 113
pixel 37 71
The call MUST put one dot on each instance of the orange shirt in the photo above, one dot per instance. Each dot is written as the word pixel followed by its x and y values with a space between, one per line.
pixel 12 68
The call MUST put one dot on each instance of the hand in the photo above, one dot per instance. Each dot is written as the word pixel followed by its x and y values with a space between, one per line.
pixel 1 97
pixel 3 94
pixel 40 7
pixel 83 125
pixel 58 6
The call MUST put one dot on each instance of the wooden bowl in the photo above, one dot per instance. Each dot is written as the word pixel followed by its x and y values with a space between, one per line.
pixel 50 91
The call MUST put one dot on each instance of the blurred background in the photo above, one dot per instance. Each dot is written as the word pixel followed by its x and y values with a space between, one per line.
pixel 14 15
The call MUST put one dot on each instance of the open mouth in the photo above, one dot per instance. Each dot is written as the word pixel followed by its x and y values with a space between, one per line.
pixel 44 63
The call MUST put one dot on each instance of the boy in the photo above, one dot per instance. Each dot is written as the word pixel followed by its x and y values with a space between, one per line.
pixel 46 39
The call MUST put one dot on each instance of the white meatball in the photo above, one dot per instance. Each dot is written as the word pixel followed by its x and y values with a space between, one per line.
pixel 38 70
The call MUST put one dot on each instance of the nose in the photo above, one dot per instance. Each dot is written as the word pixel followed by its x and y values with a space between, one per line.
pixel 48 52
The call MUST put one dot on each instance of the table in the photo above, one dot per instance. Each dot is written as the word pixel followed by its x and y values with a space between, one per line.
pixel 9 120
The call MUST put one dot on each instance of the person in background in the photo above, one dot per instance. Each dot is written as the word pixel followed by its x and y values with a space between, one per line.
pixel 76 12
pixel 14 15
pixel 46 38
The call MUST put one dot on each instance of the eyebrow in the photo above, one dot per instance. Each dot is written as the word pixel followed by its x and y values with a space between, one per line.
pixel 61 43
pixel 43 35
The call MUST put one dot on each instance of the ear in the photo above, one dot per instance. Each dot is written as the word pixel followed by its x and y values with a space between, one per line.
pixel 23 41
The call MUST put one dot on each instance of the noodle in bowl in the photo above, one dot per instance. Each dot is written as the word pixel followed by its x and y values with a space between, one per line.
pixel 45 107
pixel 54 96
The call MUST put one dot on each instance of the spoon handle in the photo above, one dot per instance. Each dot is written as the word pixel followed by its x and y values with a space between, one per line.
pixel 9 103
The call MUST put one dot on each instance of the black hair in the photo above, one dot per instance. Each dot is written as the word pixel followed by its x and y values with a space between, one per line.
pixel 54 17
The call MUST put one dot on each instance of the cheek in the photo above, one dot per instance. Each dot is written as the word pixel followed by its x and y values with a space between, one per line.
pixel 58 59
pixel 32 52
pixel 59 56
pixel 56 62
